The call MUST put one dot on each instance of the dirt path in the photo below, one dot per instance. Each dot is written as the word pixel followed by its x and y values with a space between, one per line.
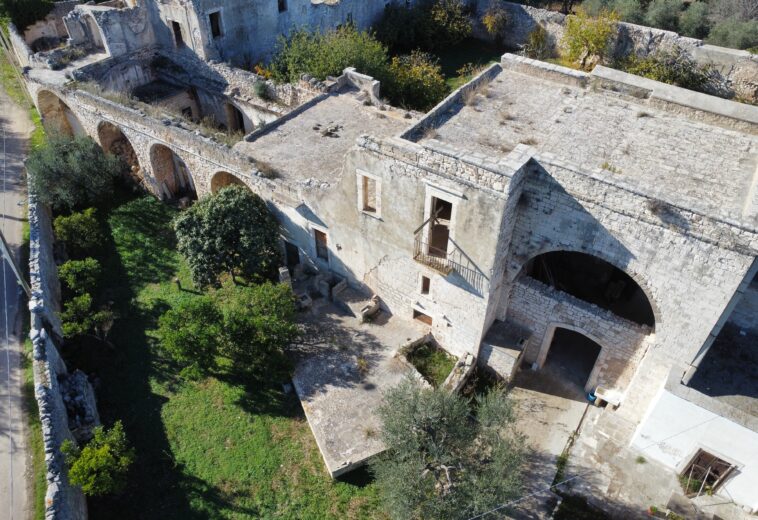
pixel 15 128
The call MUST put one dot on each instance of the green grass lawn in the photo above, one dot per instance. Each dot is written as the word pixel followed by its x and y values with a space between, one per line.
pixel 433 363
pixel 472 51
pixel 227 446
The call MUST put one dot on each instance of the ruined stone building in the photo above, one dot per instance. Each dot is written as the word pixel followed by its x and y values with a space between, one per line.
pixel 536 203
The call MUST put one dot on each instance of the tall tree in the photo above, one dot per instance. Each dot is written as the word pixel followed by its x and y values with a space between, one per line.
pixel 446 460
pixel 231 232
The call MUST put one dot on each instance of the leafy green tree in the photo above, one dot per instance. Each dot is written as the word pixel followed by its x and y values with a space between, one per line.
pixel 80 232
pixel 258 322
pixel 190 333
pixel 328 54
pixel 735 34
pixel 66 173
pixel 80 276
pixel 630 11
pixel 664 14
pixel 441 462
pixel 23 13
pixel 80 317
pixel 231 232
pixel 451 23
pixel 587 40
pixel 101 467
pixel 415 81
pixel 675 67
pixel 694 21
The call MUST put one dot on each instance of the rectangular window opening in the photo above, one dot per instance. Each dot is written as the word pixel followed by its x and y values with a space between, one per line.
pixel 177 28
pixel 215 19
pixel 282 5
pixel 369 195
pixel 439 234
pixel 704 474
pixel 322 251
pixel 423 318
pixel 425 284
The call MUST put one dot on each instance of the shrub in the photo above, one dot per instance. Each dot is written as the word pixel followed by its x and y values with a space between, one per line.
pixel 675 67
pixel 629 10
pixel 415 81
pixel 494 19
pixel 664 14
pixel 450 23
pixel 538 44
pixel 736 34
pixel 79 232
pixel 694 20
pixel 258 322
pixel 231 232
pixel 190 333
pixel 101 467
pixel 327 54
pixel 428 25
pixel 80 276
pixel 587 39
pixel 66 173
pixel 441 463
pixel 79 317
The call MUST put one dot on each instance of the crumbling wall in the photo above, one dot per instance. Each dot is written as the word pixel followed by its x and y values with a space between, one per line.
pixel 66 401
pixel 51 28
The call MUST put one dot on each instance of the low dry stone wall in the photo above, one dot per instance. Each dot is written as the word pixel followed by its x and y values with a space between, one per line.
pixel 65 400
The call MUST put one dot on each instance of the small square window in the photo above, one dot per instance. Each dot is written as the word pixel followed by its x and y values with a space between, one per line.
pixel 425 284
pixel 322 250
pixel 282 5
pixel 215 19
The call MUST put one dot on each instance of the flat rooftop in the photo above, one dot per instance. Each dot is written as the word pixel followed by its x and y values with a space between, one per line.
pixel 309 147
pixel 670 155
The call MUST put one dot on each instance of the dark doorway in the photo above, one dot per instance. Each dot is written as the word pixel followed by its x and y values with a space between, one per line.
pixel 293 256
pixel 595 281
pixel 177 28
pixel 235 119
pixel 442 212
pixel 570 361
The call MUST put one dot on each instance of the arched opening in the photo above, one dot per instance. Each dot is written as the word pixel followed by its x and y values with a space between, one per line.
pixel 57 116
pixel 171 174
pixel 593 280
pixel 113 140
pixel 235 119
pixel 96 38
pixel 224 179
pixel 570 361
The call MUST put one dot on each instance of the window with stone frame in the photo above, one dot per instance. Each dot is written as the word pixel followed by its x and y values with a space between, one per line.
pixel 704 474
pixel 322 249
pixel 369 194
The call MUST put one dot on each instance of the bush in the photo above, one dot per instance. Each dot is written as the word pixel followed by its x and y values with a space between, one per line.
pixel 664 14
pixel 79 232
pixel 415 81
pixel 79 317
pixel 494 19
pixel 428 25
pixel 101 467
pixel 736 34
pixel 190 333
pixel 538 45
pixel 231 232
pixel 630 11
pixel 586 39
pixel 694 20
pixel 674 67
pixel 80 276
pixel 258 323
pixel 328 54
pixel 441 463
pixel 66 173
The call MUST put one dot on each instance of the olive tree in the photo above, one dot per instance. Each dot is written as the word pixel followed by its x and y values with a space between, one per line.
pixel 446 460
pixel 232 232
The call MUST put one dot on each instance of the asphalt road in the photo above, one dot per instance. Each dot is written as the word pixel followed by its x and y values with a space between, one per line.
pixel 15 128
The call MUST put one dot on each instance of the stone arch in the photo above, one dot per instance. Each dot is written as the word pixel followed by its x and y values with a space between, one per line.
pixel 113 140
pixel 626 293
pixel 236 120
pixel 222 179
pixel 547 345
pixel 93 30
pixel 172 177
pixel 57 116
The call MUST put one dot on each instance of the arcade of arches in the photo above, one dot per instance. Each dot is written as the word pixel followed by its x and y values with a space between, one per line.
pixel 171 173
pixel 57 116
pixel 113 140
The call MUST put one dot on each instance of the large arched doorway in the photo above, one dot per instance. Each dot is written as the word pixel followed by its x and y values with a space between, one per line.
pixel 593 280
pixel 235 119
pixel 570 360
pixel 57 116
pixel 171 173
pixel 224 179
pixel 113 141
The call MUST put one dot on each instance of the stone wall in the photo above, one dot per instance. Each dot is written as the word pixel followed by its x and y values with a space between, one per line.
pixel 20 48
pixel 116 31
pixel 57 392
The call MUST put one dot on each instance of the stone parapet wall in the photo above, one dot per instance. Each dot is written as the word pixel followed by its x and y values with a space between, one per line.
pixel 20 48
pixel 62 501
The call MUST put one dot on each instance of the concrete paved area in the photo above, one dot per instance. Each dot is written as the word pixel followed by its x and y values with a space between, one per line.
pixel 15 128
pixel 340 375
